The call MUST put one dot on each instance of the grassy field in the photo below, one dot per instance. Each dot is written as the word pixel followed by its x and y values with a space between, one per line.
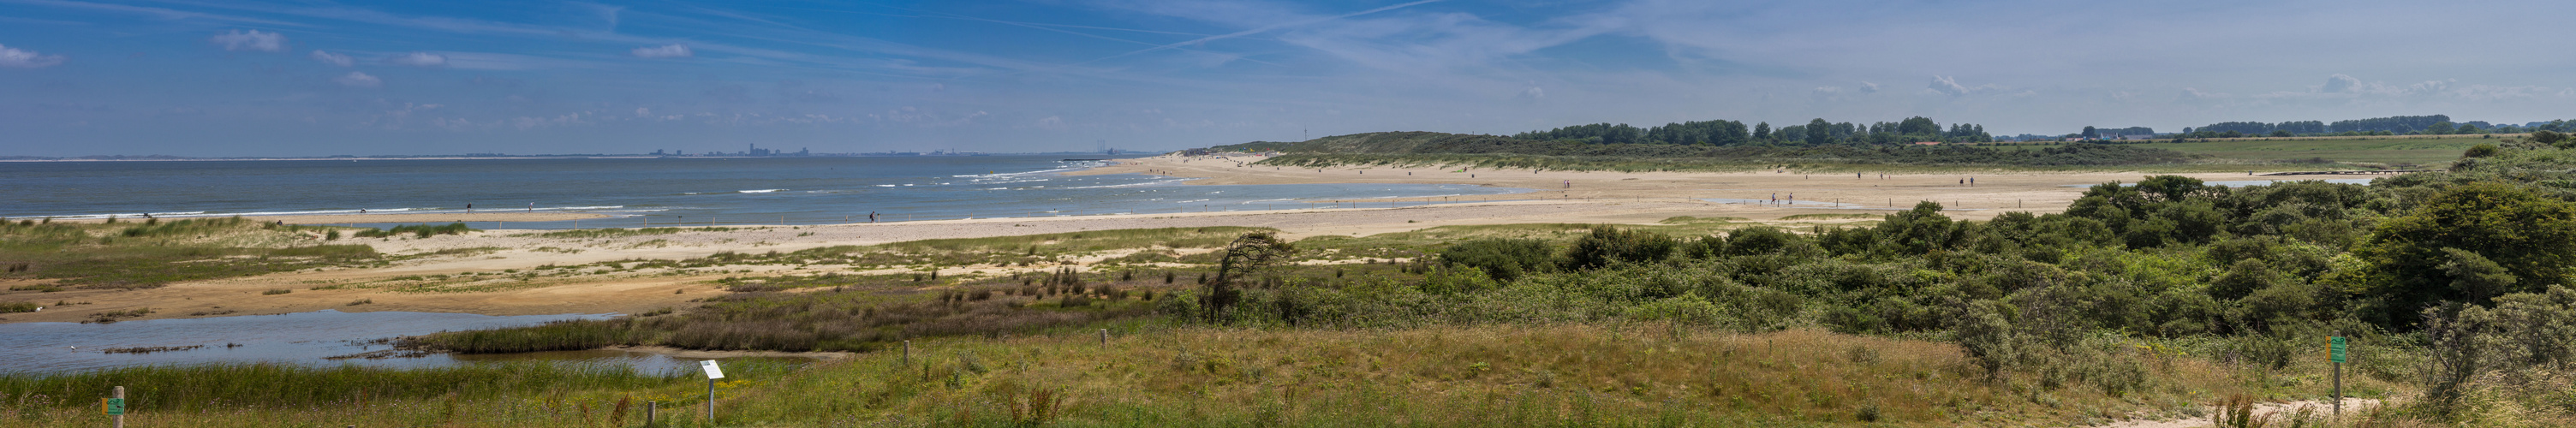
pixel 2403 153
pixel 1565 375
pixel 149 254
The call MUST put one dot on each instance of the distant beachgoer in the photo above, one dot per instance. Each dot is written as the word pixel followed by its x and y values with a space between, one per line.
pixel 1569 184
pixel 362 210
pixel 469 208
pixel 1972 182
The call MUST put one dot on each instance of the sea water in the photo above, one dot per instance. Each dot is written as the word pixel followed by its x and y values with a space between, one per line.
pixel 306 338
pixel 656 191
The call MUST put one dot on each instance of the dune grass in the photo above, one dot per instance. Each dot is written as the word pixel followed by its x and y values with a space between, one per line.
pixel 267 395
pixel 1553 375
pixel 2325 151
pixel 844 313
pixel 154 253
pixel 1087 241
pixel 621 233
pixel 417 230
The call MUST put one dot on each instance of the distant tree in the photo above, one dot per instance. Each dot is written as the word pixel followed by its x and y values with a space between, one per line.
pixel 2467 129
pixel 2438 128
pixel 1762 131
pixel 1819 132
pixel 2089 133
pixel 2547 137
pixel 2280 132
pixel 1918 125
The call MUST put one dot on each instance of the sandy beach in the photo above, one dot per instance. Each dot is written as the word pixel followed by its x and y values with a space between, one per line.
pixel 1558 197
pixel 481 217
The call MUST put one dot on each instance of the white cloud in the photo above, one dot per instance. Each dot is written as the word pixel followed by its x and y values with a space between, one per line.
pixel 358 80
pixel 418 59
pixel 2340 83
pixel 254 40
pixel 1051 123
pixel 333 59
pixel 1534 94
pixel 665 51
pixel 1868 88
pixel 16 58
pixel 1946 86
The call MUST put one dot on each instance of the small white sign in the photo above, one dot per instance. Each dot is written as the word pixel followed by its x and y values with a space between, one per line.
pixel 712 372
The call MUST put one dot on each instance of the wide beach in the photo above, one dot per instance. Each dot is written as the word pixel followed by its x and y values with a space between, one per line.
pixel 1562 197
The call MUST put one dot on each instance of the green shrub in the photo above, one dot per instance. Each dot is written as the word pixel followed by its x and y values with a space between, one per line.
pixel 1607 245
pixel 2481 150
pixel 1499 258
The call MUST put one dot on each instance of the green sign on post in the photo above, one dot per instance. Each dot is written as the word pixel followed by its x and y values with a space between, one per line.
pixel 111 406
pixel 2338 349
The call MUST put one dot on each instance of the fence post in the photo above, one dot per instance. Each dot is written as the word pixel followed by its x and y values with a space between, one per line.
pixel 650 409
pixel 907 353
pixel 120 414
pixel 1104 338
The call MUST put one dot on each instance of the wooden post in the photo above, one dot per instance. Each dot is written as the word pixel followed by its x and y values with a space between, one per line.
pixel 650 409
pixel 120 416
pixel 711 401
pixel 1104 338
pixel 907 353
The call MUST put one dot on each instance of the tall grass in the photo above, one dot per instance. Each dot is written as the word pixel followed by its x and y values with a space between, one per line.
pixel 857 313
pixel 226 386
pixel 157 253
pixel 1179 237
pixel 620 233
pixel 417 230
pixel 1573 375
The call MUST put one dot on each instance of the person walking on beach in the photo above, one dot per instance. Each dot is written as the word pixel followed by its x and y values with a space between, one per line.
pixel 469 208
pixel 872 216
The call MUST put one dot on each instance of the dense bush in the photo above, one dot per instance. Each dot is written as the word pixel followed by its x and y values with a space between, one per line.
pixel 1606 245
pixel 1500 259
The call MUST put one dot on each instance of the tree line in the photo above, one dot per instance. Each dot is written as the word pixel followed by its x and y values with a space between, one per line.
pixel 1815 132
pixel 2392 125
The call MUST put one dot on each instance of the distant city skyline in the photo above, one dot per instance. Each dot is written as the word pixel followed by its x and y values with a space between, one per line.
pixel 253 78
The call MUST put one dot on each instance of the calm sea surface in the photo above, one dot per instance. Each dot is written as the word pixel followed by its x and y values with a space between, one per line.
pixel 662 191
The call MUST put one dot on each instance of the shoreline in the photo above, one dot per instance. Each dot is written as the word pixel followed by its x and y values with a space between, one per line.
pixel 331 219
pixel 1580 198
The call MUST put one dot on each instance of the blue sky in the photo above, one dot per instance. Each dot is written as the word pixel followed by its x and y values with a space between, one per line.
pixel 251 78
